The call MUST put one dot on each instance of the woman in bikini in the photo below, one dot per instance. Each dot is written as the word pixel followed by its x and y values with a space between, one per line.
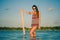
pixel 35 20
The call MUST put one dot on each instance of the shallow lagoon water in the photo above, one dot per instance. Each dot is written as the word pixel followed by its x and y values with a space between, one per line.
pixel 18 35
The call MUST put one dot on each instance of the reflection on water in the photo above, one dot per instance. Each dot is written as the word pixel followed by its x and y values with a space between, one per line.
pixel 33 38
pixel 24 37
pixel 30 38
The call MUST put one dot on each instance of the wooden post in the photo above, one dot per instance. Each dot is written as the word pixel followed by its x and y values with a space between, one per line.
pixel 22 17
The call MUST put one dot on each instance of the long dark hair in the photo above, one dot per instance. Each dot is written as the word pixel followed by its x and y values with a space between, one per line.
pixel 37 11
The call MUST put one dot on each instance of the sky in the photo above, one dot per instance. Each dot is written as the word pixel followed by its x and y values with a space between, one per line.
pixel 10 14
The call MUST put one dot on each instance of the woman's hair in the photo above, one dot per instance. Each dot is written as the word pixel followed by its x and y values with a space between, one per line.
pixel 37 11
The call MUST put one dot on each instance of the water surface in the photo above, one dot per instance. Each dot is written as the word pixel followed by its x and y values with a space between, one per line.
pixel 18 35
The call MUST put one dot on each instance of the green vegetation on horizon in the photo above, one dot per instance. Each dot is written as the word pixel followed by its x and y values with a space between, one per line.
pixel 42 28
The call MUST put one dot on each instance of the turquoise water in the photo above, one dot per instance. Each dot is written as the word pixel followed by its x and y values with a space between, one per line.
pixel 18 35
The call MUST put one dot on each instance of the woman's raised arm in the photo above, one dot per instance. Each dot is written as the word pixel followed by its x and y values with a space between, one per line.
pixel 25 11
pixel 29 12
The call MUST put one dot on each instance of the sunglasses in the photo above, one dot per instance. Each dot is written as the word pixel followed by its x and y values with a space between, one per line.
pixel 34 8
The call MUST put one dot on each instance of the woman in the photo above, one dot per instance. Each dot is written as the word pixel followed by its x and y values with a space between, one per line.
pixel 35 20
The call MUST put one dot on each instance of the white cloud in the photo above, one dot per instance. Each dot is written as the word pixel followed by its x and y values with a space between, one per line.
pixel 51 9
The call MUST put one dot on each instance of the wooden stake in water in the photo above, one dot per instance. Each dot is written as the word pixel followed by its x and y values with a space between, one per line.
pixel 22 16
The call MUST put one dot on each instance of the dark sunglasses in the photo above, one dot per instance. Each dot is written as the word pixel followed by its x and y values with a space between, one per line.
pixel 34 8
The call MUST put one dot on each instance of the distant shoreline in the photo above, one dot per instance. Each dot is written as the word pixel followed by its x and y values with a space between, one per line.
pixel 42 28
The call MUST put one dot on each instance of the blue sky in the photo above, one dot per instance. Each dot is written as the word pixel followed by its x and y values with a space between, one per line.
pixel 10 12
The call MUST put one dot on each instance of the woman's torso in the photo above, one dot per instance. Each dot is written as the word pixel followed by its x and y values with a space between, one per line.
pixel 35 19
